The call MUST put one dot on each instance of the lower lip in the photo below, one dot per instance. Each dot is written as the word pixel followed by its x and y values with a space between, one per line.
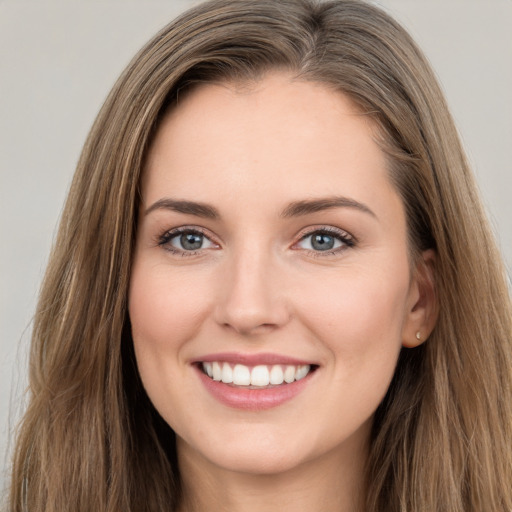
pixel 253 399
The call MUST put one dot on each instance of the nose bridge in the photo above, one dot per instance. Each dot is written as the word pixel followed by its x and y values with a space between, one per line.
pixel 253 295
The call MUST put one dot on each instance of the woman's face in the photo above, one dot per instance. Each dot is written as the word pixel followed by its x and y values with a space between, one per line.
pixel 271 252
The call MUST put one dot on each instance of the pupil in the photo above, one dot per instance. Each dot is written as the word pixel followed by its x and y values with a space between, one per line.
pixel 191 241
pixel 322 242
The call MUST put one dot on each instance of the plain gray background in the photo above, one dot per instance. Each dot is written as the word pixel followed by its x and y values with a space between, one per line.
pixel 58 61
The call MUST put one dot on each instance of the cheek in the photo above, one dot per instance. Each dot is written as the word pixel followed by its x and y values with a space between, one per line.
pixel 352 298
pixel 165 310
pixel 359 319
pixel 360 325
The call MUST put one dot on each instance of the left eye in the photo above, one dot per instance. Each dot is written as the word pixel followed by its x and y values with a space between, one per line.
pixel 189 241
pixel 322 241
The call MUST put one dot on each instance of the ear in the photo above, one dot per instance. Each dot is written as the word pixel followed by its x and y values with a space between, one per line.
pixel 422 309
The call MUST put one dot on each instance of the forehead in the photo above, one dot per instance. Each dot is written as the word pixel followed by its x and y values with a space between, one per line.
pixel 278 137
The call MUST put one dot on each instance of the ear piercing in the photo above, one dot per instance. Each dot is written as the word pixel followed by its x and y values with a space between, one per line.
pixel 418 336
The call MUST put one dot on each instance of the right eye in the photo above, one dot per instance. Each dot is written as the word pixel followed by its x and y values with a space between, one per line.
pixel 185 241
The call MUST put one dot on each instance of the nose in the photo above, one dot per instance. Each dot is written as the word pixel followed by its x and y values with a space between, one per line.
pixel 252 299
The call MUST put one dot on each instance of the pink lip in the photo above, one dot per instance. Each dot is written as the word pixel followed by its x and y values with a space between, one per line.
pixel 250 359
pixel 252 399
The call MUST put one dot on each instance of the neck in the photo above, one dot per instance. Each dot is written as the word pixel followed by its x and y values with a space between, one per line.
pixel 333 482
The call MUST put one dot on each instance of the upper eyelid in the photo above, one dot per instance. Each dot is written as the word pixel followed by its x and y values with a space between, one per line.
pixel 188 229
pixel 326 229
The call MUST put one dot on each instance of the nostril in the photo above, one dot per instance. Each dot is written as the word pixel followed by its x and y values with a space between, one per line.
pixel 248 328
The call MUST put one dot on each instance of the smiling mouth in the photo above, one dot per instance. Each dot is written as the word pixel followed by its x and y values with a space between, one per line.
pixel 255 377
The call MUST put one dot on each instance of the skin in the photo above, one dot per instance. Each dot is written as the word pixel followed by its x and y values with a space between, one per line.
pixel 257 285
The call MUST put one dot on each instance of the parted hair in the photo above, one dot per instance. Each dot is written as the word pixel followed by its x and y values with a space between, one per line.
pixel 91 440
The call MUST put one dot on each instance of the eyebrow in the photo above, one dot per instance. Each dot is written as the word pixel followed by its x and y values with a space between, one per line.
pixel 306 207
pixel 186 207
pixel 294 209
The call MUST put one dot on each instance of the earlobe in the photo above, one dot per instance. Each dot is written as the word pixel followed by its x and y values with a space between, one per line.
pixel 421 315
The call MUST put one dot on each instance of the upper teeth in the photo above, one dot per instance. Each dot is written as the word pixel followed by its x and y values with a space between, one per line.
pixel 261 375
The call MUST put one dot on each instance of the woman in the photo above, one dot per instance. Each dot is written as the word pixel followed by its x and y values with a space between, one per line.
pixel 273 284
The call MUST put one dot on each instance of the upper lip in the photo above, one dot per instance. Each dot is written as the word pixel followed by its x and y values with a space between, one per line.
pixel 267 358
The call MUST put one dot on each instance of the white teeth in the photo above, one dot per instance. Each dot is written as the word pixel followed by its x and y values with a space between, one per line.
pixel 260 375
pixel 241 375
pixel 276 375
pixel 227 373
pixel 217 371
pixel 302 371
pixel 207 367
pixel 289 374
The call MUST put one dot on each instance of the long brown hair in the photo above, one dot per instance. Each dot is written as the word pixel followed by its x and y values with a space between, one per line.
pixel 91 440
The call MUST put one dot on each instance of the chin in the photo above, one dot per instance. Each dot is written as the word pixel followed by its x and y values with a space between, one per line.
pixel 256 462
pixel 255 455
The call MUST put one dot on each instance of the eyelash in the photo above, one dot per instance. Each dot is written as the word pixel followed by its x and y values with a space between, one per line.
pixel 347 240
